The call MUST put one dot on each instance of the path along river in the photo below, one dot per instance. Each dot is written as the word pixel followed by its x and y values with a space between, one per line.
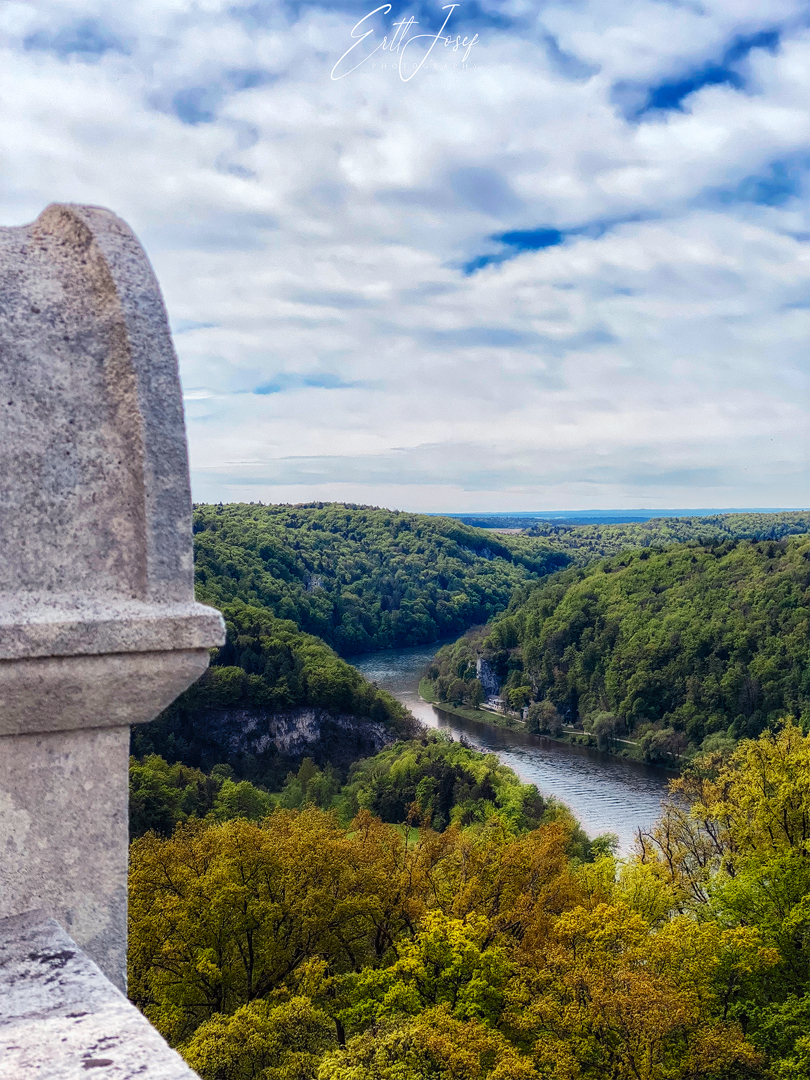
pixel 607 794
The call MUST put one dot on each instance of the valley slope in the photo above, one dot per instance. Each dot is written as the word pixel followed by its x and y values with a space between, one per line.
pixel 679 647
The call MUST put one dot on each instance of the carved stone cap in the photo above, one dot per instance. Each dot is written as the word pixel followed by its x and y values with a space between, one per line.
pixel 96 552
pixel 86 627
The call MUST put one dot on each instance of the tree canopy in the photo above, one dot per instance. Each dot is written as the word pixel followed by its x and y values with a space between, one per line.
pixel 299 948
pixel 266 664
pixel 362 578
pixel 430 781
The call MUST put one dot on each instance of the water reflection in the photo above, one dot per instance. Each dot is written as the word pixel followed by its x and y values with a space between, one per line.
pixel 607 794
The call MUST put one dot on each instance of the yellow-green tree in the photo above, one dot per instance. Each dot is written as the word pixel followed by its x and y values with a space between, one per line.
pixel 221 915
pixel 607 995
pixel 261 1041
pixel 297 949
pixel 432 1046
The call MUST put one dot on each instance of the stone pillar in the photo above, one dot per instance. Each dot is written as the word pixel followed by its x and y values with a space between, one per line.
pixel 98 625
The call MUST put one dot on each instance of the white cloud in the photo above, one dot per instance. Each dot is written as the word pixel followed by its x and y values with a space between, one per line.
pixel 309 236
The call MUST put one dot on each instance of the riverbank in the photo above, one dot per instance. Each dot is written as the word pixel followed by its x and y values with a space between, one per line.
pixel 629 750
pixel 605 792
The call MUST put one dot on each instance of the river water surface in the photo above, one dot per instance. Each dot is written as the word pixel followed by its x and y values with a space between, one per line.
pixel 607 794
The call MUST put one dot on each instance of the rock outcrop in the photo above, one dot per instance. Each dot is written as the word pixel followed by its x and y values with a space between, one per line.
pixel 292 733
pixel 487 677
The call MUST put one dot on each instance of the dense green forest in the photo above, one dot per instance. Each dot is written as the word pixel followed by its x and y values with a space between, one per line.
pixel 358 577
pixel 420 914
pixel 267 664
pixel 680 648
pixel 585 542
pixel 297 947
pixel 429 781
pixel 362 578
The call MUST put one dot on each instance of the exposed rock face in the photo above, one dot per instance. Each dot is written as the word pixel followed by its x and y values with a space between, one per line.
pixel 291 733
pixel 487 677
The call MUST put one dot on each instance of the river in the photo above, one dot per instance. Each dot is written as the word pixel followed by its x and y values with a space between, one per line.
pixel 607 794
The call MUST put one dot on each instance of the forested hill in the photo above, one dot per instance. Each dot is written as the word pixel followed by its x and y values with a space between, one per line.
pixel 585 542
pixel 267 665
pixel 362 578
pixel 683 646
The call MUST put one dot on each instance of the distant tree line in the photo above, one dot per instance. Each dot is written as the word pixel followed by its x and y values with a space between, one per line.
pixel 584 542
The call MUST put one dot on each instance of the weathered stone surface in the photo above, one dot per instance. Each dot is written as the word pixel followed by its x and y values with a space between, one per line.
pixel 64 835
pixel 66 693
pixel 60 1019
pixel 33 626
pixel 98 625
pixel 96 522
pixel 93 475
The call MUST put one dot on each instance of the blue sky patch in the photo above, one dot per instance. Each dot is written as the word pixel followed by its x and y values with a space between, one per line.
pixel 88 38
pixel 775 185
pixel 516 241
pixel 670 94
pixel 320 380
pixel 531 239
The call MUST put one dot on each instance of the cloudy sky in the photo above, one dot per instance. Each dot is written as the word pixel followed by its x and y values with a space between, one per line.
pixel 570 274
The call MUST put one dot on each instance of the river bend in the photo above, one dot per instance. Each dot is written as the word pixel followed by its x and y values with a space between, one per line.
pixel 607 794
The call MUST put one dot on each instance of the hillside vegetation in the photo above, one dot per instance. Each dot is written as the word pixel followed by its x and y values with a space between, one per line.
pixel 431 781
pixel 300 948
pixel 358 577
pixel 585 542
pixel 680 647
pixel 363 578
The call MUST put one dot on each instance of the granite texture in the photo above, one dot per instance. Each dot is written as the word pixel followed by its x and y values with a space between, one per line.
pixel 98 624
pixel 93 473
pixel 64 836
pixel 96 524
pixel 60 1019
pixel 64 693
pixel 32 626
